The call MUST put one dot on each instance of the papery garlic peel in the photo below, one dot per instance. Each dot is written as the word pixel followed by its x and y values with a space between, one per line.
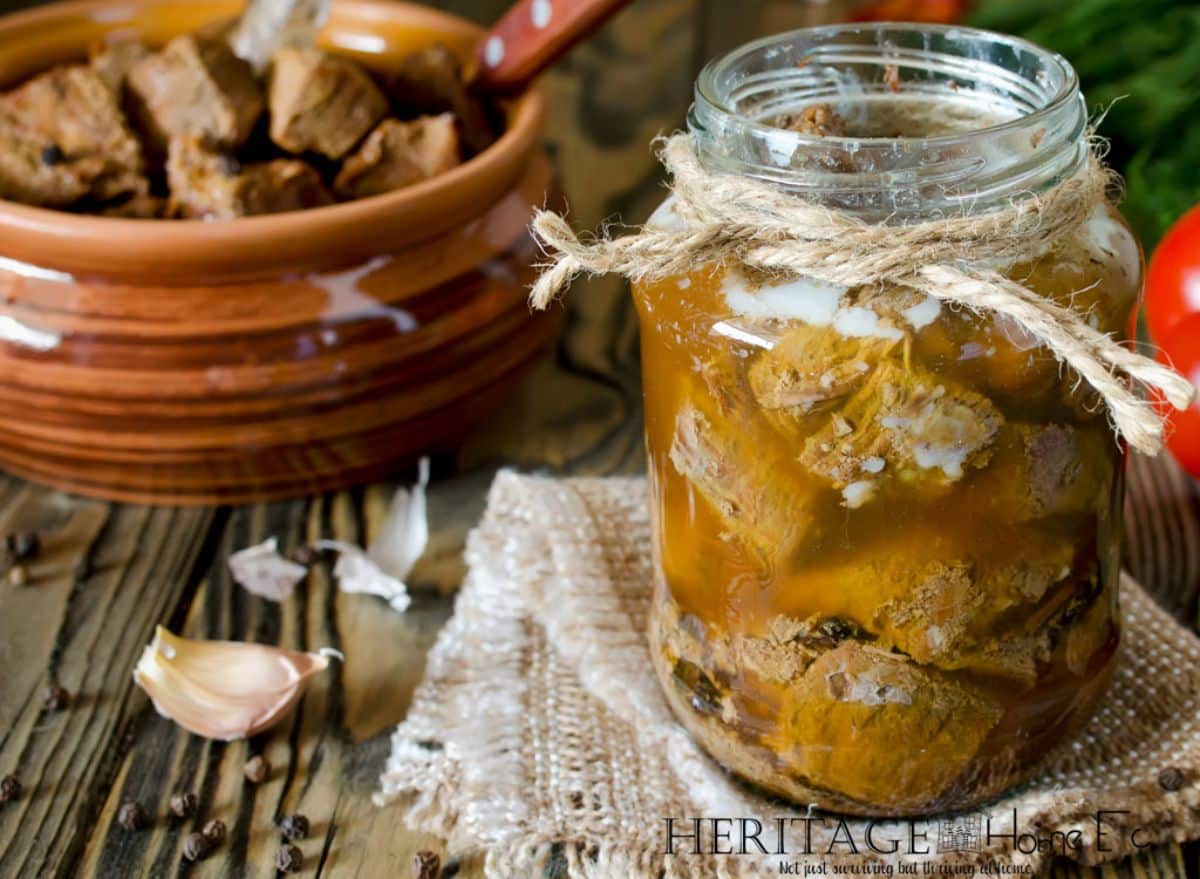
pixel 382 568
pixel 223 689
pixel 262 571
pixel 404 533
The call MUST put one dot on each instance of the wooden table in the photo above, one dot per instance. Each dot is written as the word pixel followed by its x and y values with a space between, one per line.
pixel 109 573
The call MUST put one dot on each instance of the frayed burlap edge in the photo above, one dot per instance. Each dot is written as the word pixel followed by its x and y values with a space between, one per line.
pixel 539 734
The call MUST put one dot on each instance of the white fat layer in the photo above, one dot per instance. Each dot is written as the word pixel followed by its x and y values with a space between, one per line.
pixel 929 456
pixel 935 638
pixel 803 299
pixel 858 493
pixel 1098 231
pixel 972 350
pixel 873 464
pixel 923 313
pixel 856 321
pixel 818 303
pixel 940 440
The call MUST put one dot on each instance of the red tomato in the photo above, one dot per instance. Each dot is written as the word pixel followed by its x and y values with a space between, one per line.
pixel 946 11
pixel 1173 277
pixel 1182 350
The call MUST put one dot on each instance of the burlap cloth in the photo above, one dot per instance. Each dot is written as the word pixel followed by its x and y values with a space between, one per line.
pixel 539 734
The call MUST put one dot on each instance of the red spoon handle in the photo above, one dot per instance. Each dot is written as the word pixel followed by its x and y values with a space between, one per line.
pixel 531 36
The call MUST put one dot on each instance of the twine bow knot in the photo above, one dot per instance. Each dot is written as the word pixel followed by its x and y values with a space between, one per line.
pixel 728 219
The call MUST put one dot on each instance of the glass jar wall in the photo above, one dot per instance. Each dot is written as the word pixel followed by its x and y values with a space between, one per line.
pixel 886 531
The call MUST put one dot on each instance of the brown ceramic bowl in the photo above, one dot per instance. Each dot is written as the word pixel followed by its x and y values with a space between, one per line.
pixel 190 362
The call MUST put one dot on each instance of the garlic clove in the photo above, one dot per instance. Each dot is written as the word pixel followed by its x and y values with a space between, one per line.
pixel 404 533
pixel 356 572
pixel 223 689
pixel 263 571
pixel 401 540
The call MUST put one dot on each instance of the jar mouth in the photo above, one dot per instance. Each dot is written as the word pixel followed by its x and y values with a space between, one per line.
pixel 982 116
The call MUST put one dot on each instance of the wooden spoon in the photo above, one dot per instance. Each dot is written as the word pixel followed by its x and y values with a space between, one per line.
pixel 531 36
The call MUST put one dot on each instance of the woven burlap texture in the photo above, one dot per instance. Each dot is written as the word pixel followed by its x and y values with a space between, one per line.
pixel 539 733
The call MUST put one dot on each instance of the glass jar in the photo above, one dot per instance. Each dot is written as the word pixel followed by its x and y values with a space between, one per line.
pixel 886 531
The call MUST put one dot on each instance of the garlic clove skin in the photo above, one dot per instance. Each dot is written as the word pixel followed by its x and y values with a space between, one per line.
pixel 403 535
pixel 404 532
pixel 223 690
pixel 261 570
pixel 355 571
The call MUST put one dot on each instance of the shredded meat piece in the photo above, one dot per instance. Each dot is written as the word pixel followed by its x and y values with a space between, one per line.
pixel 816 119
pixel 1042 470
pixel 891 77
pixel 853 708
pixel 927 430
pixel 728 465
pixel 811 366
pixel 927 597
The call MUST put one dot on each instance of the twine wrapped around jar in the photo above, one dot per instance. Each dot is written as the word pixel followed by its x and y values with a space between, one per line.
pixel 730 219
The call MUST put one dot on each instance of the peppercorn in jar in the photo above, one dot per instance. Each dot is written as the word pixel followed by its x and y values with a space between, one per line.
pixel 886 529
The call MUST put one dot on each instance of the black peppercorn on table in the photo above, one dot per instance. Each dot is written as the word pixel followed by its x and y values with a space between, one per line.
pixel 105 575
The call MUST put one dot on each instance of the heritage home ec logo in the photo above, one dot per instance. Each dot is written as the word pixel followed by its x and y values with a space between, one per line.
pixel 828 835
pixel 961 833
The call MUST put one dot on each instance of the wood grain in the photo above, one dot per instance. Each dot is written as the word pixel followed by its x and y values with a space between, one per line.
pixel 110 572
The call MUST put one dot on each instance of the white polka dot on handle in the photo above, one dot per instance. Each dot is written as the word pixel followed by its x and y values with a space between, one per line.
pixel 540 12
pixel 493 51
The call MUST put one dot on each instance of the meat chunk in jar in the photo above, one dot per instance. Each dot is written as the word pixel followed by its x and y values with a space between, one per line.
pixel 933 598
pixel 855 704
pixel 905 426
pixel 1042 470
pixel 811 366
pixel 720 455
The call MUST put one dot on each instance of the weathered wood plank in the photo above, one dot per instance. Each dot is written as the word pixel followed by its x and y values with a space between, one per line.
pixel 87 626
pixel 325 759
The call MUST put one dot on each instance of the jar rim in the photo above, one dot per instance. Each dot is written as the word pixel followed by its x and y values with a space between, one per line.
pixel 1066 91
pixel 1036 134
